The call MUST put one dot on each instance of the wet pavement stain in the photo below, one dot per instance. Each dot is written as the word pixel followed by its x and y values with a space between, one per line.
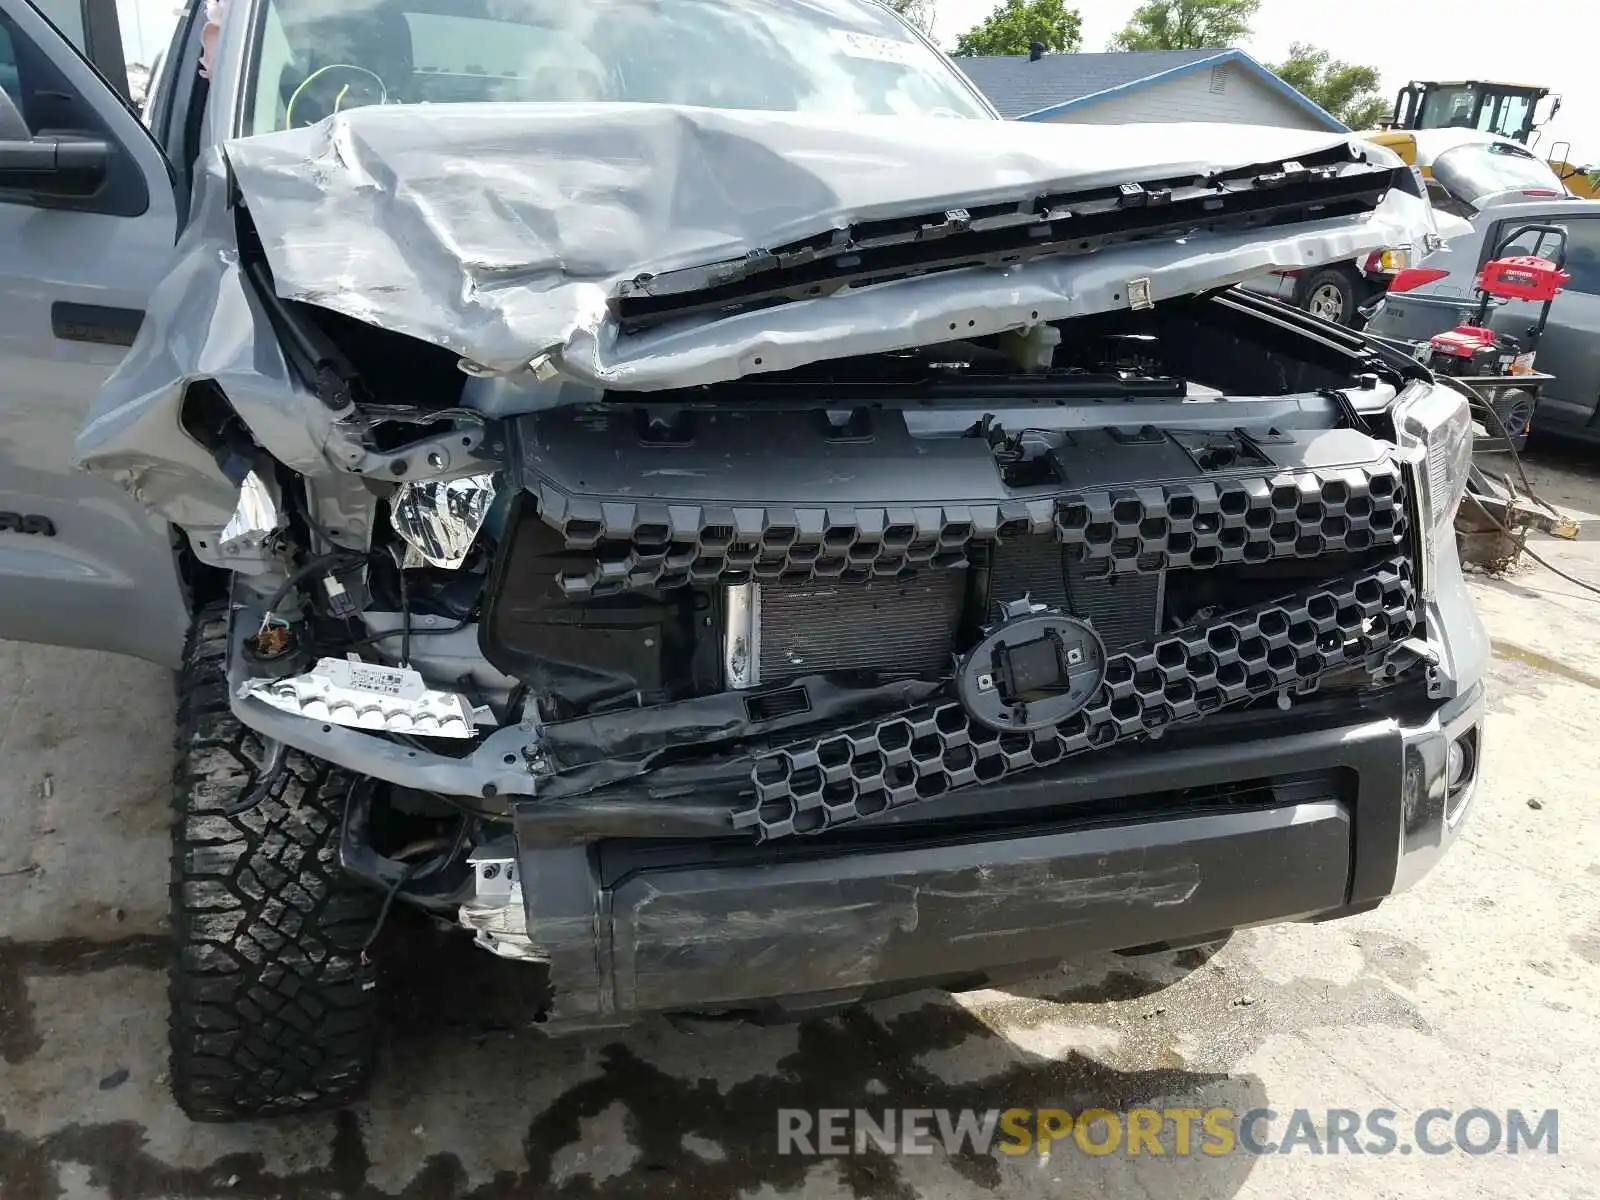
pixel 1391 957
pixel 1543 662
pixel 860 1059
pixel 118 1163
pixel 19 1034
pixel 839 1064
pixel 1587 946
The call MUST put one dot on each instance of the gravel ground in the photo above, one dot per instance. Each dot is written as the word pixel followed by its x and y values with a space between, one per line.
pixel 1479 989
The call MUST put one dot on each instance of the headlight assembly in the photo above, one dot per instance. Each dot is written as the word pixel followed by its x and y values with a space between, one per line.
pixel 1433 428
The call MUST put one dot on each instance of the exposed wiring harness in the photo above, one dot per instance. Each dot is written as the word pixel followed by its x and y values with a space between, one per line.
pixel 343 560
pixel 415 873
pixel 323 562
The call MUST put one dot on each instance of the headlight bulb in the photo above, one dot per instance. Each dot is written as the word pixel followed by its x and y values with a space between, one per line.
pixel 1455 769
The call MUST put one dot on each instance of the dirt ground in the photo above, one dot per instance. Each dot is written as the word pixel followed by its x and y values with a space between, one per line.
pixel 1479 989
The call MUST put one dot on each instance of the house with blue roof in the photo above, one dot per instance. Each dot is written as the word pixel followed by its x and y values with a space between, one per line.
pixel 1142 86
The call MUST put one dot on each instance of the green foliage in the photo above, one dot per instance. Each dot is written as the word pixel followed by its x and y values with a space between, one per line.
pixel 1187 25
pixel 1015 24
pixel 919 12
pixel 1348 92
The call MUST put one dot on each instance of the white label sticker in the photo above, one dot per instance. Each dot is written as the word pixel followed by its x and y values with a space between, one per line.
pixel 394 683
pixel 378 679
pixel 868 45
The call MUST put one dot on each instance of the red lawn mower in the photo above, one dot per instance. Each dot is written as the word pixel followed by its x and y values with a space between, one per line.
pixel 1478 355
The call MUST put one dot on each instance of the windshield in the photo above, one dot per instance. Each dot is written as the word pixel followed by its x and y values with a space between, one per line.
pixel 1475 172
pixel 1452 107
pixel 848 57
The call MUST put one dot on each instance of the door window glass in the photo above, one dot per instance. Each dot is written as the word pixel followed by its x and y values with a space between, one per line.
pixel 1511 112
pixel 52 105
pixel 1583 255
pixel 65 15
pixel 10 82
pixel 1583 249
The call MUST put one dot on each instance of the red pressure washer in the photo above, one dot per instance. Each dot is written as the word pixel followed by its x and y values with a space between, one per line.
pixel 1474 351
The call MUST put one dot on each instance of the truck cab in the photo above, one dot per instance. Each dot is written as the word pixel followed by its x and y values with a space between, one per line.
pixel 1510 110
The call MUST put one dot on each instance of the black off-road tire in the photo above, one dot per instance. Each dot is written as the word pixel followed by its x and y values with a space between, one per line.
pixel 273 1010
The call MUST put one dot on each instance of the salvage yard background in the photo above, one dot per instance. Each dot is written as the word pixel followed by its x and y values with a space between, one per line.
pixel 1481 988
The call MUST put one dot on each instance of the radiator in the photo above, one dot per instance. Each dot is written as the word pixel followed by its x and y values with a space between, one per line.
pixel 894 626
pixel 786 629
pixel 1123 609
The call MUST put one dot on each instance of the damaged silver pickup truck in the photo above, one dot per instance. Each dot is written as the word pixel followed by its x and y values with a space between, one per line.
pixel 737 536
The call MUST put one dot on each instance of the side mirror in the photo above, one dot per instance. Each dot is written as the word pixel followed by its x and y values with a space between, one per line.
pixel 65 168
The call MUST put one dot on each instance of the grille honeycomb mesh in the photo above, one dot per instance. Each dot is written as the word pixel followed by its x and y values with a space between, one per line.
pixel 1201 525
pixel 935 749
pixel 1196 524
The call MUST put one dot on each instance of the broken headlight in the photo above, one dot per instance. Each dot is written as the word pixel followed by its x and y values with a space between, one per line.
pixel 439 520
pixel 1433 428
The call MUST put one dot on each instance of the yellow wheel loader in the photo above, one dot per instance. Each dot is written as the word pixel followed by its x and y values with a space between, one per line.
pixel 1509 111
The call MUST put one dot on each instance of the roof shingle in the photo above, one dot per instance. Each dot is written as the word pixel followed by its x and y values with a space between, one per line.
pixel 1017 86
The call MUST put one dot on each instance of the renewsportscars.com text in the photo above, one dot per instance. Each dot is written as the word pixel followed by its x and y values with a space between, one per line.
pixel 835 1132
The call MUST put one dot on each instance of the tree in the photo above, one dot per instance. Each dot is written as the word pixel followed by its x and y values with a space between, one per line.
pixel 1187 25
pixel 918 12
pixel 1348 92
pixel 1015 25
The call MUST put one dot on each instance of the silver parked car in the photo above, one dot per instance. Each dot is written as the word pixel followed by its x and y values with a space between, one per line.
pixel 1570 346
pixel 679 491
pixel 1465 170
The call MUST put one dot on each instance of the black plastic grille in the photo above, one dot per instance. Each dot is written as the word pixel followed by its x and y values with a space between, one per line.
pixel 1198 524
pixel 1202 524
pixel 684 544
pixel 1285 647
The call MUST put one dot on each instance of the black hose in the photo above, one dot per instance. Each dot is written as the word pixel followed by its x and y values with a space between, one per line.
pixel 413 873
pixel 1516 461
pixel 405 618
pixel 373 639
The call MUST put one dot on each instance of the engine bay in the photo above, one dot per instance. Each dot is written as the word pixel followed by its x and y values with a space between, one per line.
pixel 647 551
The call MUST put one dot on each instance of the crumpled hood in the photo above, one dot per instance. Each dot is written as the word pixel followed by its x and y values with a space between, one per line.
pixel 503 232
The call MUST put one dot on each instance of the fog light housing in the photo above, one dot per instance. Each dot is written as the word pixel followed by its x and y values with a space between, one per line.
pixel 1460 772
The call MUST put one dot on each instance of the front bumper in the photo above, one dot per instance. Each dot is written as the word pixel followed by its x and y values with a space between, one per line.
pixel 1334 820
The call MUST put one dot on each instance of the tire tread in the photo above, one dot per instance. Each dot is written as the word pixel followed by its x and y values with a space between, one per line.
pixel 273 1010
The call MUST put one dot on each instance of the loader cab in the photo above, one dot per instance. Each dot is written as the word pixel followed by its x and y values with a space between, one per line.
pixel 1510 110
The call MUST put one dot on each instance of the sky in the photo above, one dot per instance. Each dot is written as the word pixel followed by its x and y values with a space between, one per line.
pixel 1523 41
pixel 1540 42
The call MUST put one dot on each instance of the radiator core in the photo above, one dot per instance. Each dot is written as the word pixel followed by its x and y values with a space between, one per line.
pixel 901 626
pixel 1123 609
